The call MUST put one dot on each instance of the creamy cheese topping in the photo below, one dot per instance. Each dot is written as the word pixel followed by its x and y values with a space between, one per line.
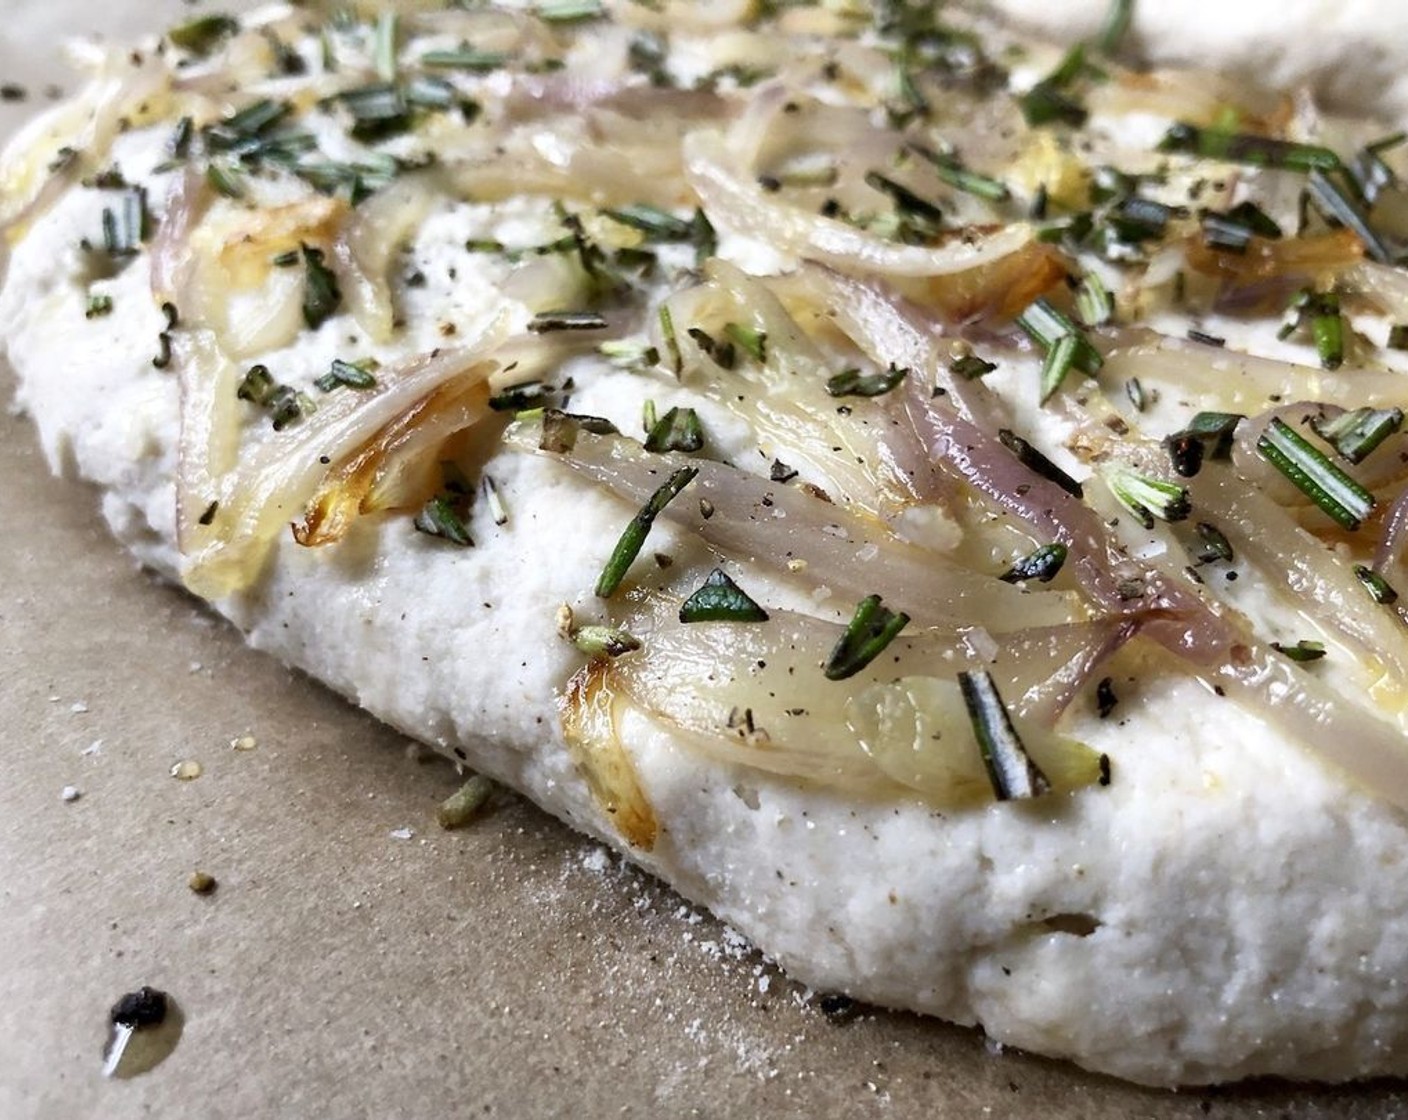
pixel 943 491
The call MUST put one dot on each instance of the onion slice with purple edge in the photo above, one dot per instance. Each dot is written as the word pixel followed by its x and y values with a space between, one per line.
pixel 800 536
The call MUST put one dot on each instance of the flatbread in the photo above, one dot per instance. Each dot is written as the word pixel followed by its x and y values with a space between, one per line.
pixel 1212 904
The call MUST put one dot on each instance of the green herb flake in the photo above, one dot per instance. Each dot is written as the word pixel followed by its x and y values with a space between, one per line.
pixel 1338 495
pixel 970 367
pixel 466 58
pixel 466 804
pixel 1041 565
pixel 719 599
pixel 633 537
pixel 570 11
pixel 444 516
pixel 596 640
pixel 1302 651
pixel 1013 774
pixel 348 374
pixel 1214 547
pixel 678 430
pixel 1333 194
pixel 1049 328
pixel 1037 463
pixel 201 36
pixel 1356 434
pixel 871 629
pixel 749 339
pixel 1095 306
pixel 952 172
pixel 1049 102
pixel 99 304
pixel 1376 585
pixel 854 383
pixel 321 294
pixel 656 224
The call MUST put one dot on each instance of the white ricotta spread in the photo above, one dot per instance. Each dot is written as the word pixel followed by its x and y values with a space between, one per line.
pixel 1227 907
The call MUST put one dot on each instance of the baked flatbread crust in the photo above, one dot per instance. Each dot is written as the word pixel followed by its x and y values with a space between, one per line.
pixel 1228 904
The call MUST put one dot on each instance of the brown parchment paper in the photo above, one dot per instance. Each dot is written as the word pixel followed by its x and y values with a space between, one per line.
pixel 355 960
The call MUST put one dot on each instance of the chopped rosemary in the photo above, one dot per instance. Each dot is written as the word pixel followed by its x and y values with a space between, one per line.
pixel 439 517
pixel 1038 463
pixel 1241 147
pixel 722 354
pixel 321 295
pixel 1336 201
pixel 99 305
pixel 497 510
pixel 719 599
pixel 569 11
pixel 1094 304
pixel 1233 230
pixel 1134 390
pixel 1041 565
pixel 125 228
pixel 595 640
pixel 633 537
pixel 672 342
pixel 1302 651
pixel 1117 20
pixel 1065 345
pixel 1336 493
pixel 753 341
pixel 524 395
pixel 284 404
pixel 1147 497
pixel 678 430
pixel 546 321
pixel 1322 310
pixel 905 200
pixel 961 178
pixel 1014 776
pixel 349 374
pixel 655 223
pixel 854 383
pixel 384 46
pixel 466 58
pixel 1356 434
pixel 1376 585
pixel 870 630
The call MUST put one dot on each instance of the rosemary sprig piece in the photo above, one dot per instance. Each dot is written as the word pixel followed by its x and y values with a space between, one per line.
pixel 1014 776
pixel 1342 498
pixel 633 537
pixel 870 630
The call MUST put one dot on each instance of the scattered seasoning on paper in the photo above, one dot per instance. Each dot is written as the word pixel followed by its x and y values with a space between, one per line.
pixel 71 793
pixel 243 743
pixel 402 833
pixel 202 882
pixel 187 770
pixel 465 804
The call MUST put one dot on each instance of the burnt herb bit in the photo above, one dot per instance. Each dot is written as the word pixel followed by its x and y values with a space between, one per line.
pixel 678 430
pixel 781 472
pixel 1147 497
pixel 202 35
pixel 1105 698
pixel 284 404
pixel 633 537
pixel 1334 194
pixel 722 354
pixel 970 367
pixel 560 429
pixel 547 321
pixel 1356 434
pixel 1338 495
pixel 871 629
pixel 1378 587
pixel 719 599
pixel 1042 565
pixel 1013 774
pixel 208 516
pixel 321 294
pixel 1049 101
pixel 1242 147
pixel 1038 463
pixel 524 395
pixel 353 375
pixel 1214 547
pixel 854 383
pixel 1302 651
pixel 146 1007
pixel 1397 337
pixel 1138 398
pixel 163 350
pixel 1208 435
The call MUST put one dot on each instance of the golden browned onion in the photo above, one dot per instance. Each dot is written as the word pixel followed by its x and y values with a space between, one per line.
pixel 587 712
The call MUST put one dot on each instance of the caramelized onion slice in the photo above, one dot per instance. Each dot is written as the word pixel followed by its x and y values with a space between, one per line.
pixel 588 713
